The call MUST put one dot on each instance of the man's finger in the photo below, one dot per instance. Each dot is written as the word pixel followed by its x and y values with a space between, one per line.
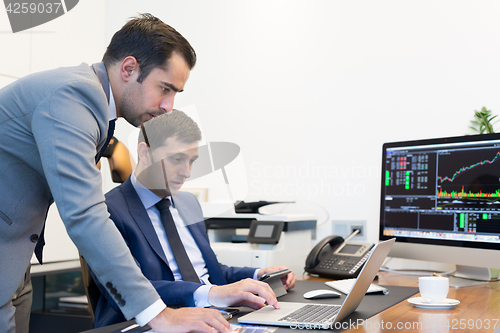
pixel 217 322
pixel 263 290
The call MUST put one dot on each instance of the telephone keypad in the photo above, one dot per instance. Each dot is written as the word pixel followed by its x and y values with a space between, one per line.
pixel 340 263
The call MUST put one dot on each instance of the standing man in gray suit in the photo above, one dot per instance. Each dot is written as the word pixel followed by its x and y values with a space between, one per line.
pixel 53 126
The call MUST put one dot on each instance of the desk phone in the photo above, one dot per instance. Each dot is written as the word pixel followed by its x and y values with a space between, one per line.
pixel 335 258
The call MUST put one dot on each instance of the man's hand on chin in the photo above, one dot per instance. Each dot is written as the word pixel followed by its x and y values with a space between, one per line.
pixel 189 320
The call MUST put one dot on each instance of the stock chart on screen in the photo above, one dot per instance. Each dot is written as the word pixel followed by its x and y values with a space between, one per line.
pixel 443 191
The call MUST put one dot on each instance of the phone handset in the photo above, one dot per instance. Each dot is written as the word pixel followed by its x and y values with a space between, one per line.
pixel 321 250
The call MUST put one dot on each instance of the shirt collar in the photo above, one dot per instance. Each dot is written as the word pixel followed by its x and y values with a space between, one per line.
pixel 112 105
pixel 147 197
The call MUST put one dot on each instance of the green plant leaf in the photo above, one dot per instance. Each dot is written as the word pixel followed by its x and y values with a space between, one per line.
pixel 483 121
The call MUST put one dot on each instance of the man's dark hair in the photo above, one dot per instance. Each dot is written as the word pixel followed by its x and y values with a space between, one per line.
pixel 176 124
pixel 151 42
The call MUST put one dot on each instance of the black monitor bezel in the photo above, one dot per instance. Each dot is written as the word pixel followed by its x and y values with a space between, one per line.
pixel 423 142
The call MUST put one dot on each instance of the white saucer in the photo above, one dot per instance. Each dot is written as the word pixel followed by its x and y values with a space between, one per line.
pixel 419 302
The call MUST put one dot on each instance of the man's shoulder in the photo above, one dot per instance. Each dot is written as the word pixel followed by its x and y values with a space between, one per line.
pixel 82 72
pixel 115 194
pixel 79 79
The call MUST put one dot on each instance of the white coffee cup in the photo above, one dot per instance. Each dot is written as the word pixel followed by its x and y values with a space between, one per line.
pixel 433 289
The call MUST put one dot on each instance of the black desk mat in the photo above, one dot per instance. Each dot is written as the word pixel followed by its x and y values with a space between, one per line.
pixel 369 306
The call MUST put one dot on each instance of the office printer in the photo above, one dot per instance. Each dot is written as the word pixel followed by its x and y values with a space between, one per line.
pixel 256 240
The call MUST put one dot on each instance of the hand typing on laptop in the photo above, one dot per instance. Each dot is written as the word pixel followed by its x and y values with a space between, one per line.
pixel 247 292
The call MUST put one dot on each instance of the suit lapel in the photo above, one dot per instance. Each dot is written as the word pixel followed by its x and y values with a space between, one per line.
pixel 199 235
pixel 141 218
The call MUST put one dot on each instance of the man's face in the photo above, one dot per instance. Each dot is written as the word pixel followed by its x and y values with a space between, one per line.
pixel 172 166
pixel 155 95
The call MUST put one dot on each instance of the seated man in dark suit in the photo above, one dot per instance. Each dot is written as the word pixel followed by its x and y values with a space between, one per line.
pixel 186 273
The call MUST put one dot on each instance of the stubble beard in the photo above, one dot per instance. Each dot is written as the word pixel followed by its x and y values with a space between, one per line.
pixel 128 111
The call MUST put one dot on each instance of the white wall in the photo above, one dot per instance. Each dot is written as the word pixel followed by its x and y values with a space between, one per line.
pixel 310 90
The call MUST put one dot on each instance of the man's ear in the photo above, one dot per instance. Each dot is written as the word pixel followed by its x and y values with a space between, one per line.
pixel 144 153
pixel 129 69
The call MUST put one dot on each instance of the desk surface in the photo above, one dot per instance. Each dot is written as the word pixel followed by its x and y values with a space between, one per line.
pixel 478 311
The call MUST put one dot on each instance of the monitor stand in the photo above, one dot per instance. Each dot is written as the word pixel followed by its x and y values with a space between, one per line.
pixel 466 276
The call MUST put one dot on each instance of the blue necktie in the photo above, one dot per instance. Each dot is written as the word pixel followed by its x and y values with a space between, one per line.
pixel 185 266
pixel 41 242
pixel 111 130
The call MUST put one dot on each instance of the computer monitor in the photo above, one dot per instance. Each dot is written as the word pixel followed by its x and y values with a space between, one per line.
pixel 440 199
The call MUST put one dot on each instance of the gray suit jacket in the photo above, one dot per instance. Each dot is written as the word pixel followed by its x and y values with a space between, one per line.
pixel 52 124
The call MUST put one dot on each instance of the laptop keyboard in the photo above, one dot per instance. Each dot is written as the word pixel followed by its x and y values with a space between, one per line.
pixel 312 313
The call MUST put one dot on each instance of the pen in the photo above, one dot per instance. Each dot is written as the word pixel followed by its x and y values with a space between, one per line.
pixel 129 328
pixel 135 328
pixel 226 315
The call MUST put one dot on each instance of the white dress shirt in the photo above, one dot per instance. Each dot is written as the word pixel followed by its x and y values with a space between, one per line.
pixel 112 105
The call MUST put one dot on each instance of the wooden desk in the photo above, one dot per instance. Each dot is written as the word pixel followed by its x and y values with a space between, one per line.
pixel 478 311
pixel 479 307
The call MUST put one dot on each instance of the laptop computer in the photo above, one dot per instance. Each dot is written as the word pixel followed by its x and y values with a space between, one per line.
pixel 310 315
